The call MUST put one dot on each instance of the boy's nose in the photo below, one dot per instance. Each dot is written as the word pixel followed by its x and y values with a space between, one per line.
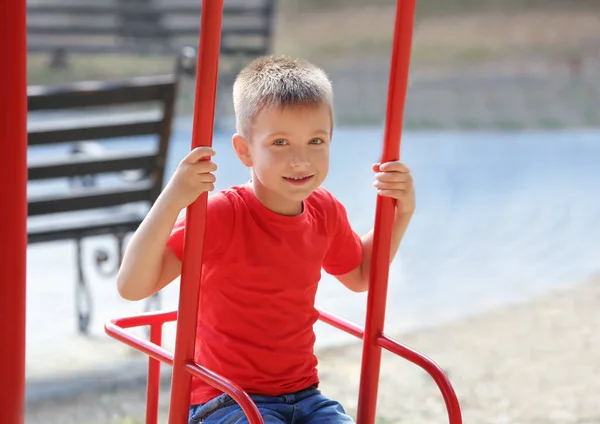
pixel 300 159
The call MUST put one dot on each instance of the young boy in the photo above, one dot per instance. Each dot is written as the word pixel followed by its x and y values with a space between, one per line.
pixel 265 245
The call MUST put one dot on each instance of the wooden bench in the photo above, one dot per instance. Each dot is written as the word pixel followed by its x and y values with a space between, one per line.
pixel 143 27
pixel 97 154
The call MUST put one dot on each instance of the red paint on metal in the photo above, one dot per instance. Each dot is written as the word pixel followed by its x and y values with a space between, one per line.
pixel 452 405
pixel 373 335
pixel 153 387
pixel 209 49
pixel 117 329
pixel 13 221
pixel 384 216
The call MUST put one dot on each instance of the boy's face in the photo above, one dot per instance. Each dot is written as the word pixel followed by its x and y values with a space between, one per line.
pixel 288 152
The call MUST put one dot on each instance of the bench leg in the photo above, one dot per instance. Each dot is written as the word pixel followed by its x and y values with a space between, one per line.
pixel 83 299
pixel 103 257
pixel 83 295
pixel 59 59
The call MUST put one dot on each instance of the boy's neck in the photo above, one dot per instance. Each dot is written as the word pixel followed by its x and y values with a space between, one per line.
pixel 273 201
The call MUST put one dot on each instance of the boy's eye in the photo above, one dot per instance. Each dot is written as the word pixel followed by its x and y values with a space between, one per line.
pixel 316 141
pixel 280 142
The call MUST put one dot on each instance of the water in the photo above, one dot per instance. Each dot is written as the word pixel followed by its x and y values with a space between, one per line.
pixel 500 218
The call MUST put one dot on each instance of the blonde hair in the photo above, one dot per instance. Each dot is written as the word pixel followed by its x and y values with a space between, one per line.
pixel 279 82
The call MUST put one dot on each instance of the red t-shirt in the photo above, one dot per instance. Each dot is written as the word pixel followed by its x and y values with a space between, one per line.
pixel 259 283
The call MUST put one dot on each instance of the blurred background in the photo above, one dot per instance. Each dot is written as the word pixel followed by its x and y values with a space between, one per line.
pixel 498 271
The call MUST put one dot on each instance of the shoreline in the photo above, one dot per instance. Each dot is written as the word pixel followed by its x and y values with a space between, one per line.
pixel 536 361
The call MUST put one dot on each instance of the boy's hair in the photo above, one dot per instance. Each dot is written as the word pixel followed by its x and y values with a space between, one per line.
pixel 271 81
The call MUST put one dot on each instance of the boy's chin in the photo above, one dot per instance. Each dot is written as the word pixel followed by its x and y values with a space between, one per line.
pixel 295 195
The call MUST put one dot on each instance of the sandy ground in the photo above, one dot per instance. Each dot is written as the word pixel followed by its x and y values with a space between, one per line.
pixel 532 363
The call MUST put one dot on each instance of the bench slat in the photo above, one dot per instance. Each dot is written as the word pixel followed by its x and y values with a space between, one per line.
pixel 116 222
pixel 94 132
pixel 142 30
pixel 95 93
pixel 97 164
pixel 163 49
pixel 90 198
pixel 247 8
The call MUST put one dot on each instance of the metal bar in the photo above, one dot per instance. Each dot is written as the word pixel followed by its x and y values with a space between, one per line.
pixel 13 223
pixel 341 323
pixel 226 386
pixel 384 218
pixel 204 116
pixel 452 404
pixel 153 389
pixel 434 370
pixel 136 342
pixel 115 329
pixel 149 318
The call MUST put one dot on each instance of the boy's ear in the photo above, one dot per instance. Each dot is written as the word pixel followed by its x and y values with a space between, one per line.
pixel 240 145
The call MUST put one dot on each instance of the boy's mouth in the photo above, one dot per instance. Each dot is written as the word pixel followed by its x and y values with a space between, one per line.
pixel 299 180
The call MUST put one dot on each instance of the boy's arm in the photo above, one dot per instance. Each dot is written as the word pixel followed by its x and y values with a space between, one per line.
pixel 392 179
pixel 148 264
pixel 358 279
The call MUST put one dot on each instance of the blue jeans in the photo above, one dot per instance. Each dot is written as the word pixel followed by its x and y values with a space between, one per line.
pixel 307 406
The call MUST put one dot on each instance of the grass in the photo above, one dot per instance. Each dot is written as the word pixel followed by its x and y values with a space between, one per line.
pixel 366 32
pixel 507 125
pixel 435 7
pixel 91 67
pixel 550 123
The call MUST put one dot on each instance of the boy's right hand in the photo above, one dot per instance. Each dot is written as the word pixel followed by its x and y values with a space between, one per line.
pixel 193 176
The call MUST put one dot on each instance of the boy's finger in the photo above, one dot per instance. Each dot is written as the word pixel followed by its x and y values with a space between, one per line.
pixel 200 153
pixel 392 185
pixel 203 166
pixel 375 167
pixel 395 166
pixel 393 176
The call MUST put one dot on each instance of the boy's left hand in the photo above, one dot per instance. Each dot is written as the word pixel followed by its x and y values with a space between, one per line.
pixel 393 179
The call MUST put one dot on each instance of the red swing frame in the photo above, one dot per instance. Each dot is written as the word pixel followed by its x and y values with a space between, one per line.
pixel 13 167
pixel 372 334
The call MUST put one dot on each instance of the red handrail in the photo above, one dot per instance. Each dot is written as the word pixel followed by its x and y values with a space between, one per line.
pixel 427 364
pixel 374 339
pixel 13 222
pixel 384 216
pixel 204 113
pixel 117 329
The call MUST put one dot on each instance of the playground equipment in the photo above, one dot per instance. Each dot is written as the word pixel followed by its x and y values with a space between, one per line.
pixel 13 221
pixel 374 339
pixel 13 168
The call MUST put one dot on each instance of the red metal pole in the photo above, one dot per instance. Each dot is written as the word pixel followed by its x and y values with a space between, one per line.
pixel 153 386
pixel 13 222
pixel 204 114
pixel 384 218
